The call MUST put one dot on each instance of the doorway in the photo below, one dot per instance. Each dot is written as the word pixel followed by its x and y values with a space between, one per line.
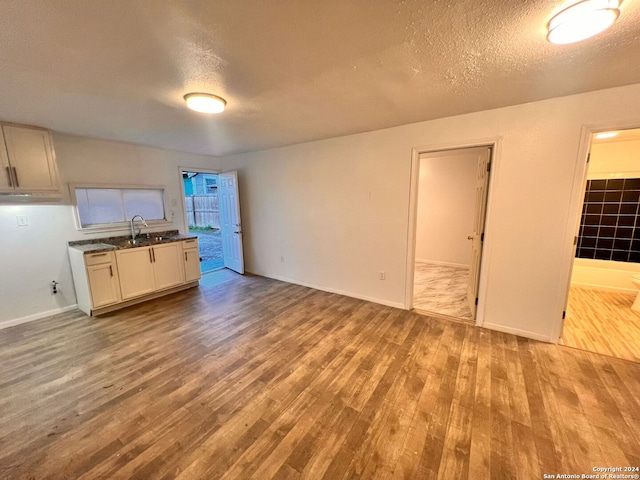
pixel 203 217
pixel 451 198
pixel 212 213
pixel 600 316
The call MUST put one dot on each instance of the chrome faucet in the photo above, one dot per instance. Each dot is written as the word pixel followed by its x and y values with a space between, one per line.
pixel 133 228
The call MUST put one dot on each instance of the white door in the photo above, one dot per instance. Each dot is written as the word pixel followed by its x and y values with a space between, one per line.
pixel 230 224
pixel 477 236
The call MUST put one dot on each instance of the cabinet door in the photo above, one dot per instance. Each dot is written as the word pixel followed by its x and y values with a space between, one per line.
pixel 135 269
pixel 192 264
pixel 6 184
pixel 168 265
pixel 103 285
pixel 31 158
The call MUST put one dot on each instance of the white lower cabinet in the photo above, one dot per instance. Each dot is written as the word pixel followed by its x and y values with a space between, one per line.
pixel 103 284
pixel 168 266
pixel 95 276
pixel 148 269
pixel 106 281
pixel 135 266
pixel 191 260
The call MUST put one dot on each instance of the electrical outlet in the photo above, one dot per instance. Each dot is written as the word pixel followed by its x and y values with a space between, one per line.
pixel 383 275
pixel 22 220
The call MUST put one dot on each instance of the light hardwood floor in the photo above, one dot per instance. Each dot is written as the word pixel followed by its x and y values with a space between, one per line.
pixel 247 377
pixel 442 290
pixel 602 321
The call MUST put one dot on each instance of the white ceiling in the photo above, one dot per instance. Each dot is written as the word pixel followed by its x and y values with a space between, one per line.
pixel 290 70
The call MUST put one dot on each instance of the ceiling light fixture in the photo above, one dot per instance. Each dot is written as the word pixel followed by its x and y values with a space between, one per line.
pixel 601 135
pixel 205 102
pixel 582 20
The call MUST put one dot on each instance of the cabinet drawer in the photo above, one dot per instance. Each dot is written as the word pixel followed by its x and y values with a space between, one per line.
pixel 98 258
pixel 190 243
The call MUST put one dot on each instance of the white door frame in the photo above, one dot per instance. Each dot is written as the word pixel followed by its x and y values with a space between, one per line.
pixel 185 223
pixel 495 144
pixel 573 218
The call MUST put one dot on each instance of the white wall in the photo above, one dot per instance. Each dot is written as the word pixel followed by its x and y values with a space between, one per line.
pixel 446 206
pixel 615 160
pixel 33 256
pixel 337 210
pixel 604 274
pixel 609 160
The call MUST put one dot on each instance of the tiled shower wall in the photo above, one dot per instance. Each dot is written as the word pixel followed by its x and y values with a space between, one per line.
pixel 610 228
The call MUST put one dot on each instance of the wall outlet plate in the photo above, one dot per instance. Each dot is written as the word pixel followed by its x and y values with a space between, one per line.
pixel 22 220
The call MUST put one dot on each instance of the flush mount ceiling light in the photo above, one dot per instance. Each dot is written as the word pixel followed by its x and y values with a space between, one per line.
pixel 205 102
pixel 601 135
pixel 583 20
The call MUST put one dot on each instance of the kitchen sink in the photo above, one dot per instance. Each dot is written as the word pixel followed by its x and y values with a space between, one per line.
pixel 144 241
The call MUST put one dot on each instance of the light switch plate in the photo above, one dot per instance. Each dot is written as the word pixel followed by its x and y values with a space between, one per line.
pixel 22 220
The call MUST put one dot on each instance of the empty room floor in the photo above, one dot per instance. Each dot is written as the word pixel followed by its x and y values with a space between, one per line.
pixel 602 321
pixel 247 377
pixel 441 289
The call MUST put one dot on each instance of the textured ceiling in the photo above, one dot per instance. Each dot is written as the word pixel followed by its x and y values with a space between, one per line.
pixel 290 70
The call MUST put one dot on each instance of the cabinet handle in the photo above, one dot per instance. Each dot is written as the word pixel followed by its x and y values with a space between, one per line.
pixel 9 176
pixel 190 241
pixel 186 256
pixel 111 270
pixel 15 176
pixel 150 256
pixel 153 252
pixel 98 255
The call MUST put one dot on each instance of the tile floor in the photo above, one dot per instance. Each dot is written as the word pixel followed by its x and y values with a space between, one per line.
pixel 441 289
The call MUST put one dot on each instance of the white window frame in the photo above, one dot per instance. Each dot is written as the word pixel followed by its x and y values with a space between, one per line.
pixel 116 226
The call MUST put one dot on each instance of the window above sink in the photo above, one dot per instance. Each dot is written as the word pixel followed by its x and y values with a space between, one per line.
pixel 105 207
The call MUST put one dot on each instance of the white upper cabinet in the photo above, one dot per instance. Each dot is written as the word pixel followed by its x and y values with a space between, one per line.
pixel 27 160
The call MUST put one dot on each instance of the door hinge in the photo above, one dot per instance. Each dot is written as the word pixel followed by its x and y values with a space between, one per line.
pixel 575 240
pixel 482 237
pixel 476 301
pixel 564 314
pixel 588 157
pixel 488 166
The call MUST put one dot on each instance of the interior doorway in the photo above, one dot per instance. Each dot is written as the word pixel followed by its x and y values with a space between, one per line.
pixel 452 187
pixel 600 315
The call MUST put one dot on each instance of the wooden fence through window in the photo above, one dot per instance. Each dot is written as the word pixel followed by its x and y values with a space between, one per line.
pixel 203 210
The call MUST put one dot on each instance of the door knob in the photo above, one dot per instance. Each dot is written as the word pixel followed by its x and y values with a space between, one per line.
pixel 470 237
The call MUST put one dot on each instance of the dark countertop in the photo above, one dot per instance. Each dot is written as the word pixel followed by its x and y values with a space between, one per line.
pixel 120 243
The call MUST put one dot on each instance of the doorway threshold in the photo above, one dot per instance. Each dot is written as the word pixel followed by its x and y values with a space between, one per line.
pixel 426 313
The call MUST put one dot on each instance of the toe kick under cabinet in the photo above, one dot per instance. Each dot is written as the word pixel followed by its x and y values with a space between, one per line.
pixel 109 280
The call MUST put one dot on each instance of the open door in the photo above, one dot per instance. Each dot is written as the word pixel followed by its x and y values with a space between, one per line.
pixel 230 223
pixel 477 237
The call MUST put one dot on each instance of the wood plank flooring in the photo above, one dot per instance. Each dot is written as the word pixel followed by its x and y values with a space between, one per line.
pixel 602 322
pixel 247 377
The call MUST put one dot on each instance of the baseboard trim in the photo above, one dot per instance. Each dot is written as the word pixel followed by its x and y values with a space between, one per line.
pixel 438 262
pixel 518 332
pixel 332 290
pixel 36 316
